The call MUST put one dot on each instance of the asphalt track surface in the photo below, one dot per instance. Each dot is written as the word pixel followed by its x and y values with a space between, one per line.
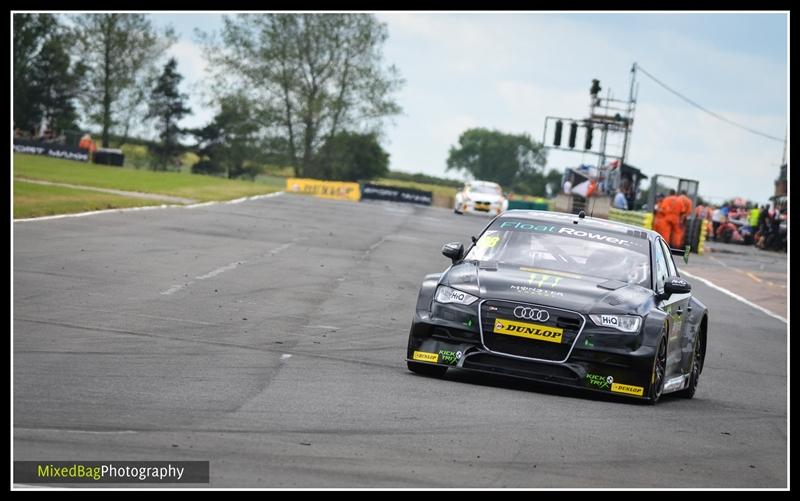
pixel 269 338
pixel 758 275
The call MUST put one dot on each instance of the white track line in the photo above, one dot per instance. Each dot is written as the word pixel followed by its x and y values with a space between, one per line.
pixel 219 270
pixel 149 207
pixel 175 288
pixel 231 266
pixel 67 430
pixel 734 296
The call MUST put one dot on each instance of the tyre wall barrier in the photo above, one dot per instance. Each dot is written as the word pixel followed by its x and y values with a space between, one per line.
pixel 703 234
pixel 696 230
pixel 108 156
pixel 636 218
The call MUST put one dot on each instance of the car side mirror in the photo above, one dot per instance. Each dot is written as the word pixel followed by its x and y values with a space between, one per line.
pixel 675 285
pixel 453 250
pixel 682 252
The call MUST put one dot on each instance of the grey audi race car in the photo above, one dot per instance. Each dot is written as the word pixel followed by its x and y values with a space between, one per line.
pixel 563 299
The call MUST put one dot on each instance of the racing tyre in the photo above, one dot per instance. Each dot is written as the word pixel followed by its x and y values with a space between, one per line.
pixel 659 368
pixel 697 366
pixel 427 369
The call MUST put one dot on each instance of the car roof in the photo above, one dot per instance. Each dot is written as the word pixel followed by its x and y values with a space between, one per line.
pixel 482 183
pixel 587 222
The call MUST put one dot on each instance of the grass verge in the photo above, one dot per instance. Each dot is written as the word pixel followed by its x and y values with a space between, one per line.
pixel 36 200
pixel 198 187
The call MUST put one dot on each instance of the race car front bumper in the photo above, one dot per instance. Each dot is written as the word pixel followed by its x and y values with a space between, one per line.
pixel 473 207
pixel 591 365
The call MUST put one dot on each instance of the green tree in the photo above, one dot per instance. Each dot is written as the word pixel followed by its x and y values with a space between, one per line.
pixel 553 182
pixel 353 157
pixel 30 33
pixel 308 76
pixel 168 107
pixel 536 183
pixel 229 144
pixel 513 160
pixel 46 82
pixel 119 51
pixel 58 84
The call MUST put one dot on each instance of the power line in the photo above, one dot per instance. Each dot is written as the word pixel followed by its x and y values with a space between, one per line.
pixel 715 115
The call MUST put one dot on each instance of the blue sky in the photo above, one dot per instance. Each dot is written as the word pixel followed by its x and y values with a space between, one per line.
pixel 509 70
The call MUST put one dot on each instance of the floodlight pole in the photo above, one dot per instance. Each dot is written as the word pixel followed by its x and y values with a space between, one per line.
pixel 629 118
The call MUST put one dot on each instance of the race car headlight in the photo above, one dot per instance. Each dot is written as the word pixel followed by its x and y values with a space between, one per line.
pixel 447 295
pixel 624 323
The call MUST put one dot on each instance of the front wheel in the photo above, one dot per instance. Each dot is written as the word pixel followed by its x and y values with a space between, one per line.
pixel 697 366
pixel 659 368
pixel 427 369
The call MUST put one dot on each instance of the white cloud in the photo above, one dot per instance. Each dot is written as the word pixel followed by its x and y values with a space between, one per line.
pixel 191 62
pixel 688 143
pixel 527 105
pixel 509 71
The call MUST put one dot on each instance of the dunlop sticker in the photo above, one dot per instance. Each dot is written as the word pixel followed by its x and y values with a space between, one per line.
pixel 526 330
pixel 626 388
pixel 426 357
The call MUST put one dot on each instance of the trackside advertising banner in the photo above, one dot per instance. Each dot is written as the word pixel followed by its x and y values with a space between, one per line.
pixel 395 194
pixel 50 149
pixel 325 189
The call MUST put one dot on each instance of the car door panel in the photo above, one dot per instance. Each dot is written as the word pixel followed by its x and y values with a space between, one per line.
pixel 675 307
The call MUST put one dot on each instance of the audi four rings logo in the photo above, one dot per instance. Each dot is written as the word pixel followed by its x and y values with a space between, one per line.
pixel 531 314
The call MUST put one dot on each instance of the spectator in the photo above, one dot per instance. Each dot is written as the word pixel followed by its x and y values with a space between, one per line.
pixel 716 220
pixel 752 217
pixel 763 214
pixel 620 199
pixel 568 185
pixel 659 198
pixel 773 241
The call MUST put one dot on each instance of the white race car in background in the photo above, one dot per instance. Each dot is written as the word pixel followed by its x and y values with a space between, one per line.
pixel 480 197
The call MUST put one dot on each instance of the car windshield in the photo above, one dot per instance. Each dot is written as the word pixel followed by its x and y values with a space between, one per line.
pixel 593 253
pixel 488 189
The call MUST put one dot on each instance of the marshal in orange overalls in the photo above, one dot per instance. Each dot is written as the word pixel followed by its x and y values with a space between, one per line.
pixel 86 143
pixel 667 217
pixel 684 210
